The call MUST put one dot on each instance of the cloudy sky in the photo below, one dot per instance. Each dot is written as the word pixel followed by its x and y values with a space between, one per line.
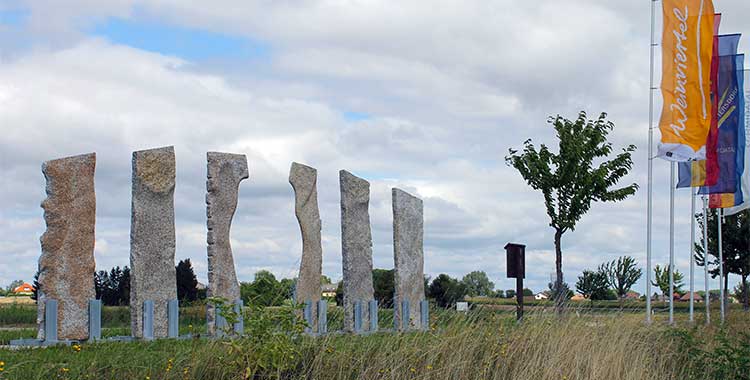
pixel 423 95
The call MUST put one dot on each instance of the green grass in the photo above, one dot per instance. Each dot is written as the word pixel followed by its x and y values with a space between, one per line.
pixel 482 344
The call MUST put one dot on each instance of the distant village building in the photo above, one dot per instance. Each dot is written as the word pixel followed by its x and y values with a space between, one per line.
pixel 577 297
pixel 541 296
pixel 686 297
pixel 25 289
pixel 631 295
pixel 328 290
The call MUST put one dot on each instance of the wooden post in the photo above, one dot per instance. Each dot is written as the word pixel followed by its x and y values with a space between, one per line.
pixel 516 263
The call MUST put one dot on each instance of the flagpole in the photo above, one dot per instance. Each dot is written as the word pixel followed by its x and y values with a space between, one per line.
pixel 650 191
pixel 671 241
pixel 707 299
pixel 692 258
pixel 721 266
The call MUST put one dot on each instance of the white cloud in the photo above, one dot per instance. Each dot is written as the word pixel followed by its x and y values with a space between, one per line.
pixel 449 85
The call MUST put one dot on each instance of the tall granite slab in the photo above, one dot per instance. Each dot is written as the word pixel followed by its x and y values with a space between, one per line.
pixel 304 182
pixel 66 266
pixel 152 238
pixel 356 247
pixel 408 255
pixel 225 172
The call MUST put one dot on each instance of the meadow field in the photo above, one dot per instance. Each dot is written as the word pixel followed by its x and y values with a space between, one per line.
pixel 481 344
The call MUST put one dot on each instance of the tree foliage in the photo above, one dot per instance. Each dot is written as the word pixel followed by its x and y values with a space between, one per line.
pixel 478 284
pixel 446 291
pixel 187 283
pixel 661 279
pixel 384 286
pixel 579 174
pixel 621 274
pixel 113 287
pixel 735 246
pixel 593 285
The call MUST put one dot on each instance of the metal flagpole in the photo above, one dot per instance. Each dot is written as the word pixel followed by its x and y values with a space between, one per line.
pixel 692 258
pixel 721 266
pixel 650 192
pixel 707 299
pixel 671 241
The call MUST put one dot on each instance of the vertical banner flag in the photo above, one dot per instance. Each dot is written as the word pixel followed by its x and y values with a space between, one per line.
pixel 740 200
pixel 728 102
pixel 730 116
pixel 694 173
pixel 687 46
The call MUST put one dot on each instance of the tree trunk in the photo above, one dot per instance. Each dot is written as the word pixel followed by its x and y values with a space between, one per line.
pixel 558 270
pixel 726 291
pixel 745 303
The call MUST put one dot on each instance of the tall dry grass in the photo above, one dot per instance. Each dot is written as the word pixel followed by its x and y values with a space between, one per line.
pixel 489 346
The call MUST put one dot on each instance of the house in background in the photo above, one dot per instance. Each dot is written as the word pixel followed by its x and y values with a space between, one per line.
pixel 541 296
pixel 577 297
pixel 328 290
pixel 686 297
pixel 631 295
pixel 24 290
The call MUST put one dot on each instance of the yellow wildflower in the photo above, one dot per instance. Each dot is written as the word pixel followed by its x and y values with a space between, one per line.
pixel 429 366
pixel 413 370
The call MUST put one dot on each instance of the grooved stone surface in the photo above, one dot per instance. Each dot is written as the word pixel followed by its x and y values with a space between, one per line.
pixel 408 254
pixel 152 237
pixel 304 182
pixel 225 172
pixel 66 266
pixel 356 247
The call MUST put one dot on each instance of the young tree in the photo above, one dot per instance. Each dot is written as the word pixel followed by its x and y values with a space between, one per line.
pixel 574 177
pixel 621 275
pixel 499 293
pixel 735 244
pixel 187 283
pixel 560 293
pixel 592 285
pixel 478 284
pixel 661 279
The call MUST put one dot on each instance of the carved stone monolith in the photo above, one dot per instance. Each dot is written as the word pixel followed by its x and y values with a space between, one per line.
pixel 304 182
pixel 408 255
pixel 152 238
pixel 225 172
pixel 66 266
pixel 356 247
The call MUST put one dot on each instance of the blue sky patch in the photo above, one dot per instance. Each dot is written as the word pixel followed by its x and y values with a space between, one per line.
pixel 356 116
pixel 186 43
pixel 13 17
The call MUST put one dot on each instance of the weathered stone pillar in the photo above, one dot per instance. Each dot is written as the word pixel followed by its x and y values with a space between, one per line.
pixel 356 247
pixel 152 238
pixel 66 266
pixel 225 172
pixel 304 182
pixel 408 254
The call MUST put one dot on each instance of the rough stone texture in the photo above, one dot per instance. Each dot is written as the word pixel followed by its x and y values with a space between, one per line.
pixel 356 247
pixel 225 172
pixel 304 182
pixel 152 238
pixel 66 266
pixel 408 254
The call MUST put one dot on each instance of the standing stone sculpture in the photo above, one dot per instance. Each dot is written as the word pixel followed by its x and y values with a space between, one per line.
pixel 152 238
pixel 66 266
pixel 408 255
pixel 225 172
pixel 304 182
pixel 356 247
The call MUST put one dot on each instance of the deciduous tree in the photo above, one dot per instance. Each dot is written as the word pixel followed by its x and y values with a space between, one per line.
pixel 579 174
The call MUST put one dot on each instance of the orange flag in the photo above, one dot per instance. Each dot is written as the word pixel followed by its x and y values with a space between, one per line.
pixel 687 46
